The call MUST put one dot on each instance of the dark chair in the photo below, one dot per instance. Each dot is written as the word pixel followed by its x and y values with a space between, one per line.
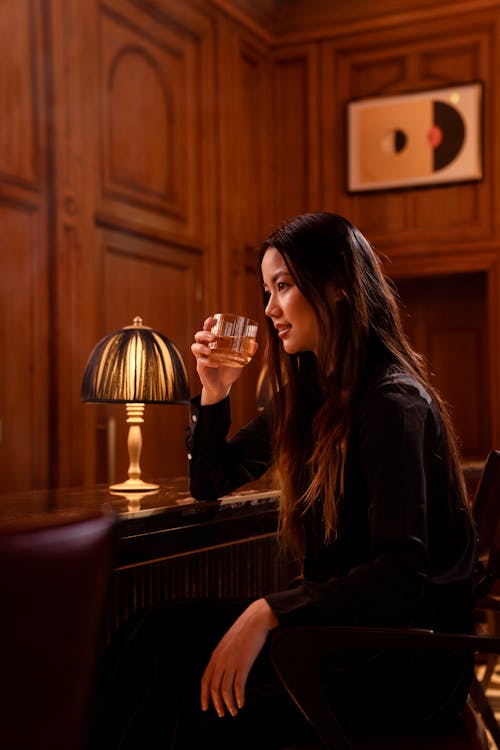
pixel 486 507
pixel 298 652
pixel 486 511
pixel 54 575
pixel 315 643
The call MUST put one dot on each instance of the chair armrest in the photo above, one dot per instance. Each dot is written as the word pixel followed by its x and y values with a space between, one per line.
pixel 316 642
pixel 321 640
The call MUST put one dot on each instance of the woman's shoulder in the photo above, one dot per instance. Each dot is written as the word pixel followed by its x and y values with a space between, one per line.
pixel 392 384
pixel 395 378
pixel 394 402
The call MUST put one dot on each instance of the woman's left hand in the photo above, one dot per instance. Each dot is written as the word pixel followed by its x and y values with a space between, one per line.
pixel 225 677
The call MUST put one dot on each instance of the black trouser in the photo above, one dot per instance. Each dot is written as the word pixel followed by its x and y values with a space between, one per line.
pixel 151 688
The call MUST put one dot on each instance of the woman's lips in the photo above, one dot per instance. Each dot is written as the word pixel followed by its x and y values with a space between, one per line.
pixel 283 331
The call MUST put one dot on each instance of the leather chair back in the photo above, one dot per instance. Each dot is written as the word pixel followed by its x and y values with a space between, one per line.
pixel 54 576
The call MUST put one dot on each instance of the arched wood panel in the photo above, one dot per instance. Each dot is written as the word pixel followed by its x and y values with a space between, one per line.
pixel 155 86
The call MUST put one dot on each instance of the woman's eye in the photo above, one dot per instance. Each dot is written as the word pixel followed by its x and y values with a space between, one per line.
pixel 282 285
pixel 267 296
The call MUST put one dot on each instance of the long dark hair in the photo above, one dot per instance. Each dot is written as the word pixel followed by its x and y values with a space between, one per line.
pixel 313 395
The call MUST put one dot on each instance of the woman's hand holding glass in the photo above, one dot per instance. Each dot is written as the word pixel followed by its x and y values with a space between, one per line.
pixel 215 377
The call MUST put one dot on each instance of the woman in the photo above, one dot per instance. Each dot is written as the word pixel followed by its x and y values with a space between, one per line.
pixel 373 498
pixel 372 503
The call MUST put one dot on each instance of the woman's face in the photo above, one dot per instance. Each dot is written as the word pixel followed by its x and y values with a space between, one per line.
pixel 292 315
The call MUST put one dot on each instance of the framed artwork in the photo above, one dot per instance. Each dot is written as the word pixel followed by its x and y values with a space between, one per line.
pixel 417 139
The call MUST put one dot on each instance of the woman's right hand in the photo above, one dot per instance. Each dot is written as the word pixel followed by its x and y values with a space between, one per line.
pixel 216 379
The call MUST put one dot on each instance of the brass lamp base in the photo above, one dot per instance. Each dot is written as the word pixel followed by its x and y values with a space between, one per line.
pixel 134 485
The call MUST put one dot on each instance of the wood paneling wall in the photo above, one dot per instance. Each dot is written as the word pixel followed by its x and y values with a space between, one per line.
pixel 146 149
pixel 246 193
pixel 25 418
pixel 429 236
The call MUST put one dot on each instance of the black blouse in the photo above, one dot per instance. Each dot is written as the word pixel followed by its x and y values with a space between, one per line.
pixel 405 548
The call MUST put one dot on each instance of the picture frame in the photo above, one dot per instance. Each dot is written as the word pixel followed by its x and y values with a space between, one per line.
pixel 416 139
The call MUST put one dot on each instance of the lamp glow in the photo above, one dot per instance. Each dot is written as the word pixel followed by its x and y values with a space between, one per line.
pixel 135 365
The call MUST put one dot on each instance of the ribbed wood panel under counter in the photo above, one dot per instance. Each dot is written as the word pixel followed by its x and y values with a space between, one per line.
pixel 249 568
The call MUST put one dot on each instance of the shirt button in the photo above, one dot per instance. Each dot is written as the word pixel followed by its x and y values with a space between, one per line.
pixel 194 418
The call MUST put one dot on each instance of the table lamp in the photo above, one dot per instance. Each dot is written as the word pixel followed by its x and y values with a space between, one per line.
pixel 135 365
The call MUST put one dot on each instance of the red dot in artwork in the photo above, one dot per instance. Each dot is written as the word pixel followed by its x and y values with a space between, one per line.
pixel 435 136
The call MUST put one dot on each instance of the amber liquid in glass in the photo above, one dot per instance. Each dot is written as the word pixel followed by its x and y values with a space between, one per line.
pixel 233 351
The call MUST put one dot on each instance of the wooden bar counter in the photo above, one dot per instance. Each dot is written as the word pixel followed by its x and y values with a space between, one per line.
pixel 172 547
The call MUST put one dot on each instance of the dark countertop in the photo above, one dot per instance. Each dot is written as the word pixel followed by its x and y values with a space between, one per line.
pixel 167 522
pixel 158 524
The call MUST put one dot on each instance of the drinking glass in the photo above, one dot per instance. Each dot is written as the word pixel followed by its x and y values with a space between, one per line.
pixel 235 342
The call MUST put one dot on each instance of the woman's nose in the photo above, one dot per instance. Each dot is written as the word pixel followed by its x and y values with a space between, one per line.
pixel 269 309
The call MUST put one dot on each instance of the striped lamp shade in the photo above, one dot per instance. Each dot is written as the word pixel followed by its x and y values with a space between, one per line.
pixel 135 364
